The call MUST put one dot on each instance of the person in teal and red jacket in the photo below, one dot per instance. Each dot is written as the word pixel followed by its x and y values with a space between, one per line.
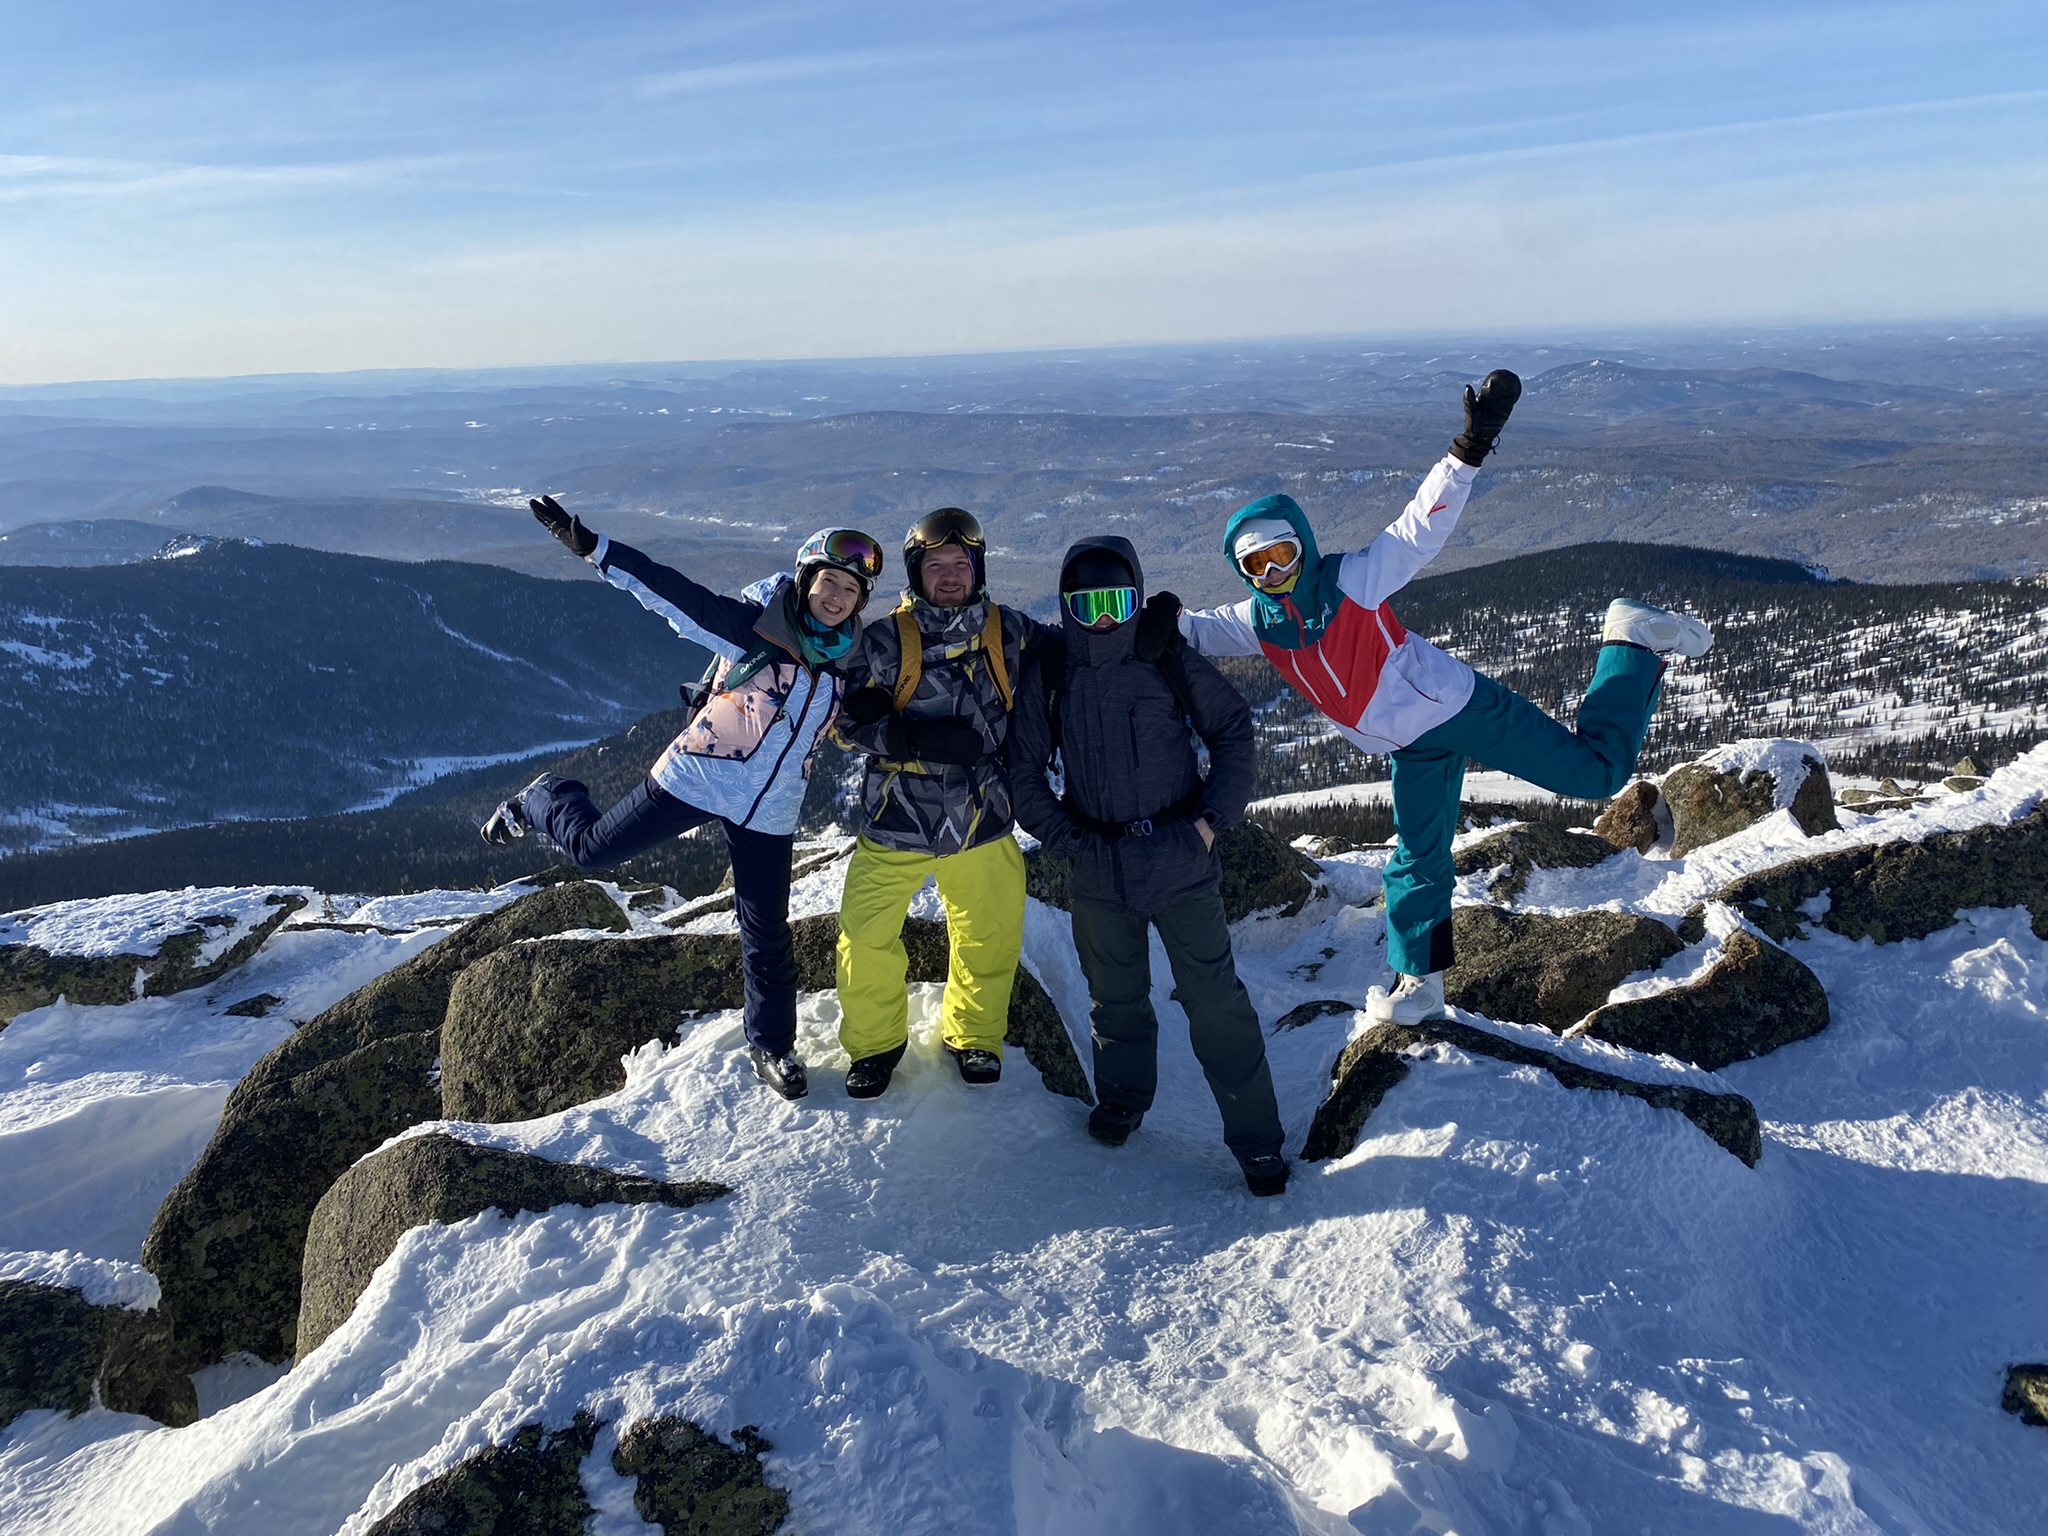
pixel 1328 628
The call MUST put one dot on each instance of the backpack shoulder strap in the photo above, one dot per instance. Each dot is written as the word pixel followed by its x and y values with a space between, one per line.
pixel 910 664
pixel 998 665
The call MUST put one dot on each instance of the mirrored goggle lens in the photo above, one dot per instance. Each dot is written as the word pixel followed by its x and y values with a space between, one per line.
pixel 1118 602
pixel 1279 559
pixel 856 549
pixel 950 526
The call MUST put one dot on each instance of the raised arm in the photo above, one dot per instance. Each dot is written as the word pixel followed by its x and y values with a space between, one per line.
pixel 723 625
pixel 1220 631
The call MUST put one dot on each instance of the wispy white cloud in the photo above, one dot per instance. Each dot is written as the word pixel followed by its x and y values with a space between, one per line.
pixel 747 74
pixel 27 178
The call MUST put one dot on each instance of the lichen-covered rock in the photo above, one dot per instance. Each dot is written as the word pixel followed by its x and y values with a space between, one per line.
pixel 1737 786
pixel 1376 1061
pixel 1036 1029
pixel 532 1486
pixel 1260 874
pixel 1891 891
pixel 693 1484
pixel 1754 999
pixel 1308 1013
pixel 1534 845
pixel 31 977
pixel 435 1177
pixel 1630 820
pixel 227 1242
pixel 1534 968
pixel 55 1346
pixel 2026 1393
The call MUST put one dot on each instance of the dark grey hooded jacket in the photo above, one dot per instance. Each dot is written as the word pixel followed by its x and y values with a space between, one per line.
pixel 1128 755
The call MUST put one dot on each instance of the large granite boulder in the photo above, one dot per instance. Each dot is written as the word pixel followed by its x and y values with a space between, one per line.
pixel 1377 1060
pixel 1631 820
pixel 435 1177
pixel 60 1341
pixel 32 976
pixel 532 1486
pixel 1891 891
pixel 1534 968
pixel 1737 786
pixel 227 1241
pixel 693 1484
pixel 1519 851
pixel 1260 874
pixel 1754 999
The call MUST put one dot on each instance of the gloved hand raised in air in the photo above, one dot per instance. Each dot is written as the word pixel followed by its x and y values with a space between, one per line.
pixel 947 739
pixel 1158 626
pixel 576 538
pixel 1485 414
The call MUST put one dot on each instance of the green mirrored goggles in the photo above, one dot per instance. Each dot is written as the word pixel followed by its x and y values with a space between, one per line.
pixel 1118 602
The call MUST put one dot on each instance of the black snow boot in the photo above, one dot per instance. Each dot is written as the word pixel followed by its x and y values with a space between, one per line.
pixel 977 1068
pixel 784 1073
pixel 506 823
pixel 869 1077
pixel 1113 1124
pixel 1265 1175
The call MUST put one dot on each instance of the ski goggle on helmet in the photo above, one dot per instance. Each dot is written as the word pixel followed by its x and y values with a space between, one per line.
pixel 948 525
pixel 1087 606
pixel 846 549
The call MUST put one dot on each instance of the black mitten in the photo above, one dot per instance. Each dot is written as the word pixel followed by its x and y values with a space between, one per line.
pixel 948 739
pixel 1158 626
pixel 864 706
pixel 1485 414
pixel 576 538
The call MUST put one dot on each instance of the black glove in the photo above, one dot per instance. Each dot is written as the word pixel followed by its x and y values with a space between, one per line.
pixel 576 538
pixel 1485 414
pixel 948 739
pixel 864 706
pixel 1158 626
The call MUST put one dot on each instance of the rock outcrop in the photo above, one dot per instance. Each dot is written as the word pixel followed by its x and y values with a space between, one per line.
pixel 56 1346
pixel 1738 786
pixel 1308 1013
pixel 1754 999
pixel 1891 891
pixel 1518 851
pixel 532 1486
pixel 693 1484
pixel 1630 820
pixel 227 1242
pixel 1533 968
pixel 1377 1060
pixel 31 977
pixel 1260 874
pixel 2026 1393
pixel 435 1177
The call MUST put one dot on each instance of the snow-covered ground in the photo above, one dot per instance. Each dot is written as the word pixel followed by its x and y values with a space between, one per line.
pixel 1486 786
pixel 1513 1308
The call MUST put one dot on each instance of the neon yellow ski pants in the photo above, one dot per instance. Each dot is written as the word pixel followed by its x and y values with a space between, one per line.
pixel 983 892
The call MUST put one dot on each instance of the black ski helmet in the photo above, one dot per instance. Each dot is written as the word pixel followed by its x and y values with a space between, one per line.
pixel 947 525
pixel 1093 568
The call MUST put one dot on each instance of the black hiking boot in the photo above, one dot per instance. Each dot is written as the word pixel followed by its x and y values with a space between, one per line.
pixel 1112 1124
pixel 978 1068
pixel 1266 1175
pixel 509 821
pixel 869 1077
pixel 784 1073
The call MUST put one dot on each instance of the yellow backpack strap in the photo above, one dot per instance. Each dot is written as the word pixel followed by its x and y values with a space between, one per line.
pixel 910 664
pixel 992 643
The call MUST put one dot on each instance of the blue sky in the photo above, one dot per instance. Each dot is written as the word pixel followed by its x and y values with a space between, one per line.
pixel 224 188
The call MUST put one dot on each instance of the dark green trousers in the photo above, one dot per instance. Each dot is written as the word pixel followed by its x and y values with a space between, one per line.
pixel 1116 957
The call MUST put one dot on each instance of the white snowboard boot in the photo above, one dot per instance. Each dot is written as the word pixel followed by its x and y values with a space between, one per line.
pixel 1416 998
pixel 1655 629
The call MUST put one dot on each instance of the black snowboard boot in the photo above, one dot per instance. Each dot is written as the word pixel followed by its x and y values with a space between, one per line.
pixel 869 1077
pixel 977 1068
pixel 1112 1123
pixel 1266 1175
pixel 509 820
pixel 784 1073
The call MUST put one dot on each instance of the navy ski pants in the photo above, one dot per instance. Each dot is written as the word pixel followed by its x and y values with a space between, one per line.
pixel 650 815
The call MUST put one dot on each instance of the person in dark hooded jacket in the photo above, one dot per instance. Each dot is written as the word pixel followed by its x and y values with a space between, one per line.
pixel 1139 824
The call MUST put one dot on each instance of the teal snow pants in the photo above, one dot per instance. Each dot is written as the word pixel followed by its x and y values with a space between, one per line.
pixel 1504 731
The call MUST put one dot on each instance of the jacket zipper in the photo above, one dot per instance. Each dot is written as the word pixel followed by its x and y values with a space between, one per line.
pixel 810 698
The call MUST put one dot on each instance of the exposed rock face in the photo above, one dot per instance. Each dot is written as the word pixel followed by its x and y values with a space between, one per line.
pixel 1894 891
pixel 1308 1013
pixel 1260 874
pixel 1532 968
pixel 1754 999
pixel 1374 1063
pixel 531 1487
pixel 1630 820
pixel 1709 803
pixel 437 1178
pixel 33 978
pixel 539 1027
pixel 54 1345
pixel 694 1484
pixel 1525 848
pixel 227 1242
pixel 2026 1393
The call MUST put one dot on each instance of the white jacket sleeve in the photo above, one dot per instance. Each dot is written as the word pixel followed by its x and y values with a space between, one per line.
pixel 1220 631
pixel 1372 575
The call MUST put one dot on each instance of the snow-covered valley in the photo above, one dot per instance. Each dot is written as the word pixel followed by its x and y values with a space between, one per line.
pixel 1513 1307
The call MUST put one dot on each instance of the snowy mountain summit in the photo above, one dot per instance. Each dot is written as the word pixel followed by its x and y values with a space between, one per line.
pixel 1716 1203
